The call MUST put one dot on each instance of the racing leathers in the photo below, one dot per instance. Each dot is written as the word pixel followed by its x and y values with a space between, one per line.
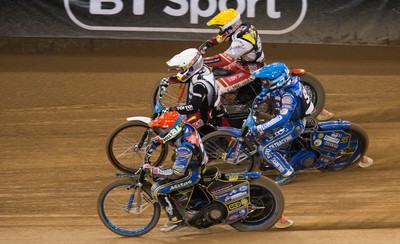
pixel 184 173
pixel 292 104
pixel 244 55
pixel 202 98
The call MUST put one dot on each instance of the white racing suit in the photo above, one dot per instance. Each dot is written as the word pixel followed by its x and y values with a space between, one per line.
pixel 202 98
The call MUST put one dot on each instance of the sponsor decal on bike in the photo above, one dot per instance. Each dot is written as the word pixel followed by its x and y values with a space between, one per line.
pixel 345 139
pixel 235 205
pixel 287 100
pixel 233 217
pixel 334 134
pixel 331 139
pixel 330 144
pixel 317 142
pixel 221 188
pixel 235 196
pixel 233 177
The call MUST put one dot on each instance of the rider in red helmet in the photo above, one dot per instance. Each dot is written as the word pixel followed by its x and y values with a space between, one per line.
pixel 186 170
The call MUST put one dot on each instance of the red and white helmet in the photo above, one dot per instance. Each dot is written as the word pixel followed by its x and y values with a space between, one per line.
pixel 189 63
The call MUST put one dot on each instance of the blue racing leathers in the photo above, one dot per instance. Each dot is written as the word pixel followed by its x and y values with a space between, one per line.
pixel 186 170
pixel 287 124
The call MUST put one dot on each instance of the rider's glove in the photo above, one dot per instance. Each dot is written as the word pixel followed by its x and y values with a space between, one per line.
pixel 147 168
pixel 207 44
pixel 212 41
pixel 258 99
pixel 164 82
pixel 164 110
pixel 256 130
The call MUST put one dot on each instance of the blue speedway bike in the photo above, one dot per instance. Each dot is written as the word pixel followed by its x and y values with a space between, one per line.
pixel 247 201
pixel 326 146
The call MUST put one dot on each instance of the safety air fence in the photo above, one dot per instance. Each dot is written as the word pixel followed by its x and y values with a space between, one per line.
pixel 370 22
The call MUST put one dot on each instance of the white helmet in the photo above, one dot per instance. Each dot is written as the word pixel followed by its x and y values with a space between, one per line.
pixel 189 62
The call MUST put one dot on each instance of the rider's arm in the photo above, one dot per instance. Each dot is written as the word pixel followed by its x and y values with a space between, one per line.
pixel 179 168
pixel 218 60
pixel 236 50
pixel 199 94
pixel 154 143
pixel 262 96
pixel 285 112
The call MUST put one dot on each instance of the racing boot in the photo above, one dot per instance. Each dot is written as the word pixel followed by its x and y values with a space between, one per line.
pixel 175 220
pixel 282 180
pixel 171 225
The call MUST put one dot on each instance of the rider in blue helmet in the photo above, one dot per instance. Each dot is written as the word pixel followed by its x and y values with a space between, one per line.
pixel 292 105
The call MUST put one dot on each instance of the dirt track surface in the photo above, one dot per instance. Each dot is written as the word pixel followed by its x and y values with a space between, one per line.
pixel 58 110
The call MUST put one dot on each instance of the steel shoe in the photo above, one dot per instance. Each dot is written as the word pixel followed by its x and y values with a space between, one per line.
pixel 171 226
pixel 285 180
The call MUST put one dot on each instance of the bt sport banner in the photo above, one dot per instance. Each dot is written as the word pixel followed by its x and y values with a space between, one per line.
pixel 278 21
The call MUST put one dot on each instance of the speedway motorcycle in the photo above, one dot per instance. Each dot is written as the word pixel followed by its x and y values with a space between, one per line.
pixel 326 146
pixel 126 144
pixel 247 201
pixel 237 103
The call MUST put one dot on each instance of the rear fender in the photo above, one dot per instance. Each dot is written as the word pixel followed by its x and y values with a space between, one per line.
pixel 334 125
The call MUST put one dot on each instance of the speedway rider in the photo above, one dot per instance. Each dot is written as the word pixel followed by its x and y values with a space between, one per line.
pixel 291 108
pixel 244 54
pixel 203 96
pixel 186 170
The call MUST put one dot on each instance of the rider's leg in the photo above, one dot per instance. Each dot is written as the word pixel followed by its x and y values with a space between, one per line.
pixel 268 150
pixel 163 189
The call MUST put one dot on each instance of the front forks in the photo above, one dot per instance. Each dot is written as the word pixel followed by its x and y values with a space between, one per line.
pixel 232 154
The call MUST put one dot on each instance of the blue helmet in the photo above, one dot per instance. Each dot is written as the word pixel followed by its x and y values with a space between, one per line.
pixel 273 75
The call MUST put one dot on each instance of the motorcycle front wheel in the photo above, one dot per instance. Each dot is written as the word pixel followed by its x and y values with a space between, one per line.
pixel 174 95
pixel 267 204
pixel 216 144
pixel 126 146
pixel 118 210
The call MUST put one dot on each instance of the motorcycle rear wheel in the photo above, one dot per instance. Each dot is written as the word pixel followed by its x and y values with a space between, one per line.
pixel 268 204
pixel 315 90
pixel 358 147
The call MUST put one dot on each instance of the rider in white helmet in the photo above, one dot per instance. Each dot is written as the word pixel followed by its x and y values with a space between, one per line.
pixel 203 94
